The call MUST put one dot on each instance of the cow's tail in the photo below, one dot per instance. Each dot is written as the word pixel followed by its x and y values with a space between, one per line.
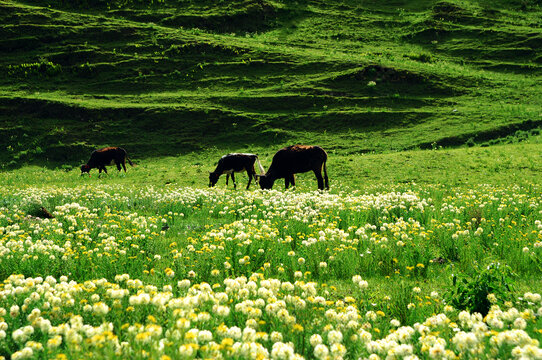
pixel 262 170
pixel 125 154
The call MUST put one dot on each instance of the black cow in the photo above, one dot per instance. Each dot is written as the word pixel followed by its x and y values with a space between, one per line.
pixel 296 159
pixel 230 163
pixel 106 156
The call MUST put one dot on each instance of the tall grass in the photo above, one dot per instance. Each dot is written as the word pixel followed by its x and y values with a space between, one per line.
pixel 375 259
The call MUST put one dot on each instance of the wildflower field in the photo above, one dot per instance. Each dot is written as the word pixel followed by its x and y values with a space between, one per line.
pixel 427 246
pixel 169 272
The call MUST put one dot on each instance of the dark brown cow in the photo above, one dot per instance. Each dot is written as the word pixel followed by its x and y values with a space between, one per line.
pixel 106 156
pixel 296 159
pixel 230 163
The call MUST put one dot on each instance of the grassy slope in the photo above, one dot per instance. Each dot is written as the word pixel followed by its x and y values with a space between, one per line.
pixel 501 164
pixel 255 75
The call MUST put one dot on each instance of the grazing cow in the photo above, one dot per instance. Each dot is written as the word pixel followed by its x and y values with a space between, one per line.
pixel 106 156
pixel 228 164
pixel 296 159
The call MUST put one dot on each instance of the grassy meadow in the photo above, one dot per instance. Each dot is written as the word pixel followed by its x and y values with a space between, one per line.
pixel 427 246
pixel 143 266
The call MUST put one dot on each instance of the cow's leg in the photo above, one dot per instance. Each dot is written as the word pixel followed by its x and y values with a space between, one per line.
pixel 123 164
pixel 292 180
pixel 105 170
pixel 250 175
pixel 118 166
pixel 233 179
pixel 318 174
pixel 286 181
pixel 99 169
pixel 227 178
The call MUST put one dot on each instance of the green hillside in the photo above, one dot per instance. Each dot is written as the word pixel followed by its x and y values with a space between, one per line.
pixel 171 77
pixel 428 244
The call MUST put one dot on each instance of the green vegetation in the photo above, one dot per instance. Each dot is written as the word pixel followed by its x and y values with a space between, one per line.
pixel 172 77
pixel 121 268
pixel 430 112
pixel 473 295
pixel 502 164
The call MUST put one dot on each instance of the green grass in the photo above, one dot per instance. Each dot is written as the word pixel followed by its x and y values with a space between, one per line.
pixel 430 112
pixel 499 164
pixel 263 74
pixel 379 253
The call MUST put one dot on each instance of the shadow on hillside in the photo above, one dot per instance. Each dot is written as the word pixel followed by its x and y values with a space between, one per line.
pixel 63 135
pixel 70 156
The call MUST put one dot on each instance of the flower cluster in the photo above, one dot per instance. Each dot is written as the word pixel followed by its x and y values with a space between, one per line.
pixel 206 273
pixel 242 318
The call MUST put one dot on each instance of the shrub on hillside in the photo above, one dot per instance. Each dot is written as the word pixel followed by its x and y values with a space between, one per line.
pixel 42 68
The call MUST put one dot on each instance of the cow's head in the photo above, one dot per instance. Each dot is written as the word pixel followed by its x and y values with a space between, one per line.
pixel 85 169
pixel 213 178
pixel 266 182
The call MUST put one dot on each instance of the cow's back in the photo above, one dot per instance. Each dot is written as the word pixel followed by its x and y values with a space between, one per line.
pixel 298 158
pixel 237 162
pixel 107 155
